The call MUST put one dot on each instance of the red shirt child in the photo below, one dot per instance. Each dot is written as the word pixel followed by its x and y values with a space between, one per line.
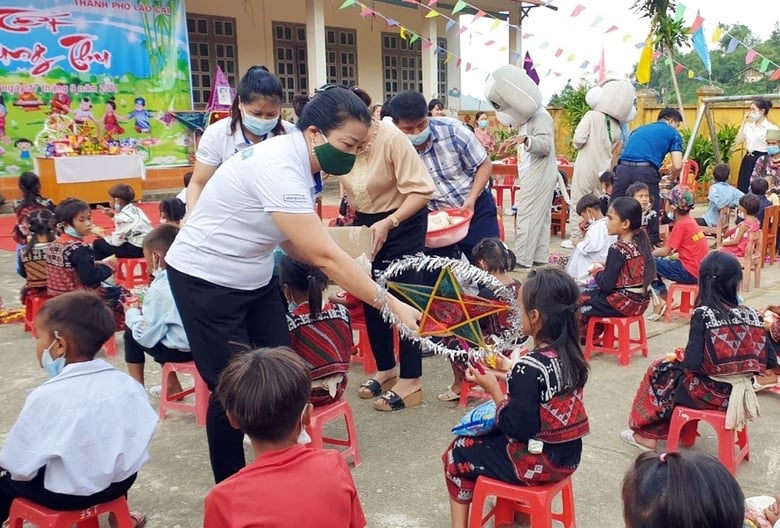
pixel 688 240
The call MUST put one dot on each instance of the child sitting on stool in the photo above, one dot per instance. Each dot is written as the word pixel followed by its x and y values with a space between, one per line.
pixel 265 394
pixel 130 226
pixel 157 330
pixel 83 435
pixel 41 226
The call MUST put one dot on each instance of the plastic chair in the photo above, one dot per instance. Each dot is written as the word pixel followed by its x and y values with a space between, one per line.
pixel 724 219
pixel 616 328
pixel 126 275
pixel 174 401
pixel 690 174
pixel 682 430
pixel 751 262
pixel 535 501
pixel 32 305
pixel 688 293
pixel 362 352
pixel 323 415
pixel 769 235
pixel 24 510
pixel 506 176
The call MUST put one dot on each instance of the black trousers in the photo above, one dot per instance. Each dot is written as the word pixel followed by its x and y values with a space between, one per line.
pixel 406 239
pixel 746 170
pixel 135 353
pixel 34 491
pixel 628 174
pixel 221 322
pixel 103 249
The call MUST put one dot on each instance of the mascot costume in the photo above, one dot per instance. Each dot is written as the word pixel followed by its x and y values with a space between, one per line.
pixel 596 138
pixel 518 102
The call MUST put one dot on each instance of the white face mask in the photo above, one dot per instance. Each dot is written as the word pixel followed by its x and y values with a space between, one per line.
pixel 156 264
pixel 303 436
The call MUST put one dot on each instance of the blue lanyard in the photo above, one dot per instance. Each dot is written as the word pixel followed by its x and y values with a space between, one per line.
pixel 317 182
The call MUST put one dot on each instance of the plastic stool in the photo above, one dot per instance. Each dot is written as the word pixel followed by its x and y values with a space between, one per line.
pixel 535 501
pixel 322 415
pixel 362 352
pixel 23 510
pixel 174 403
pixel 32 305
pixel 126 272
pixel 110 346
pixel 467 390
pixel 606 343
pixel 681 431
pixel 688 294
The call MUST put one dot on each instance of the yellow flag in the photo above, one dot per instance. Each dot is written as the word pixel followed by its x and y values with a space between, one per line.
pixel 691 75
pixel 496 23
pixel 402 33
pixel 717 34
pixel 449 56
pixel 432 14
pixel 570 57
pixel 627 37
pixel 645 67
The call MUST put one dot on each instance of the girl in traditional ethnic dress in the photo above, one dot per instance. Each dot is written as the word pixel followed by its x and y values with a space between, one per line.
pixel 622 283
pixel 320 335
pixel 533 443
pixel 41 226
pixel 725 340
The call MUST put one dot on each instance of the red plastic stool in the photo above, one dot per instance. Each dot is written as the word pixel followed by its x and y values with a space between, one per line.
pixel 131 272
pixel 362 352
pixel 688 293
pixel 620 328
pixel 32 305
pixel 467 390
pixel 110 346
pixel 535 501
pixel 682 430
pixel 23 510
pixel 174 402
pixel 322 415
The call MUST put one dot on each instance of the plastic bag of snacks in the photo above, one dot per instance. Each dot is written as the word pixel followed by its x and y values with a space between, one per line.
pixel 478 421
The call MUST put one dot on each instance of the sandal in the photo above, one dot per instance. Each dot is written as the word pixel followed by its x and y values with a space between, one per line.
pixel 656 316
pixel 139 519
pixel 391 401
pixel 628 437
pixel 449 395
pixel 371 388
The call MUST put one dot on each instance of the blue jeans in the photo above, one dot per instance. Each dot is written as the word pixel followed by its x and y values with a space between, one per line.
pixel 673 270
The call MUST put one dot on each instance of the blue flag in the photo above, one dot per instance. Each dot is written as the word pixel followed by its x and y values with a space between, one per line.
pixel 700 46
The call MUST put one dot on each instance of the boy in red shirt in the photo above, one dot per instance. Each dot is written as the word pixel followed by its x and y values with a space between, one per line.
pixel 265 394
pixel 678 260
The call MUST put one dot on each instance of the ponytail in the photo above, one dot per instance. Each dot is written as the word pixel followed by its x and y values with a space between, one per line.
pixel 642 241
pixel 301 277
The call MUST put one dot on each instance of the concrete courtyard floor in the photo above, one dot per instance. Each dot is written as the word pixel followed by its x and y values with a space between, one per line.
pixel 400 480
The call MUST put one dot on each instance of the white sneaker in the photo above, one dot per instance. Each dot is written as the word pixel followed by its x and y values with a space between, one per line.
pixel 567 244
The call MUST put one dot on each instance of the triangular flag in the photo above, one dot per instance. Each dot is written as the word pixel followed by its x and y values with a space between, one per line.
pixel 460 5
pixel 717 34
pixel 733 43
pixel 627 37
pixel 544 45
pixel 414 38
pixel 611 29
pixel 432 14
pixel 548 72
pixel 558 52
pixel 577 10
pixel 495 24
pixel 699 43
pixel 366 12
pixel 602 69
pixel 515 57
pixel 679 68
pixel 347 3
pixel 697 22
pixel 645 66
pixel 764 65
pixel 527 35
pixel 570 58
pixel 468 66
pixel 667 61
pixel 596 21
pixel 479 15
pixel 639 45
pixel 679 12
pixel 449 56
pixel 391 22
pixel 462 30
pixel 584 65
pixel 427 44
pixel 691 75
pixel 432 3
pixel 530 70
pixel 656 54
pixel 221 87
pixel 750 56
pixel 490 42
pixel 402 33
pixel 457 63
pixel 775 76
pixel 450 23
pixel 503 48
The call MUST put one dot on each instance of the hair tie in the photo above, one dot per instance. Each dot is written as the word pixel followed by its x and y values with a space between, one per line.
pixel 662 458
pixel 309 277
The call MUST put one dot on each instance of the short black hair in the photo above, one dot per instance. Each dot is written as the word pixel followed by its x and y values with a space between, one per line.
pixel 69 208
pixel 433 103
pixel 187 178
pixel 721 172
pixel 763 104
pixel 635 188
pixel 264 391
pixel 759 186
pixel 161 238
pixel 257 82
pixel 82 318
pixel 122 191
pixel 751 203
pixel 408 106
pixel 174 209
pixel 330 109
pixel 589 201
pixel 607 177
pixel 670 114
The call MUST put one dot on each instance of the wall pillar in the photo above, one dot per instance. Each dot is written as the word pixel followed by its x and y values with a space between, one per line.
pixel 430 66
pixel 315 44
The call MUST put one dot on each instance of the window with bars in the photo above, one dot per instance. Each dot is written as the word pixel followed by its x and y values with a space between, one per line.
pixel 291 56
pixel 402 66
pixel 213 42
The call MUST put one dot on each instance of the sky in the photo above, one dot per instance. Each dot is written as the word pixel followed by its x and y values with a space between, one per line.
pixel 581 38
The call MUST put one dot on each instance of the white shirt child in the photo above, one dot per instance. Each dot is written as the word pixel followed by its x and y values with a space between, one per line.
pixel 591 249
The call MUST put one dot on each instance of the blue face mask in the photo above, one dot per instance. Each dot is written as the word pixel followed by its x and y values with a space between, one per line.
pixel 292 305
pixel 70 230
pixel 420 138
pixel 257 126
pixel 740 299
pixel 53 366
pixel 117 207
pixel 483 123
pixel 773 150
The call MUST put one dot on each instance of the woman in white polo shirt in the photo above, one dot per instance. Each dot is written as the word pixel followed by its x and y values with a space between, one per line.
pixel 220 265
pixel 254 116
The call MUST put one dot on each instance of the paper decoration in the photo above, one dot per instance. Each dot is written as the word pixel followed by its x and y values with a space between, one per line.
pixel 644 68
pixel 764 65
pixel 679 12
pixel 495 25
pixel 450 24
pixel 699 43
pixel 528 66
pixel 717 34
pixel 558 52
pixel 697 22
pixel 366 12
pixel 479 15
pixel 432 14
pixel 679 68
pixel 577 10
pixel 611 29
pixel 775 76
pixel 602 76
pixel 733 43
pixel 432 3
pixel 750 56
pixel 668 61
pixel 691 75
pixel 347 3
pixel 627 37
pixel 596 21
pixel 460 5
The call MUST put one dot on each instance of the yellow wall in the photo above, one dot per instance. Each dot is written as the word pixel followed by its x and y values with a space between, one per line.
pixel 255 38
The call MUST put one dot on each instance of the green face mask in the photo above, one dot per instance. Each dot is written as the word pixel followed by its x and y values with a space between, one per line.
pixel 332 160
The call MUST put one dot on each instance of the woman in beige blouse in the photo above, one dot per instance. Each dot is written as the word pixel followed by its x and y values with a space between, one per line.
pixel 389 188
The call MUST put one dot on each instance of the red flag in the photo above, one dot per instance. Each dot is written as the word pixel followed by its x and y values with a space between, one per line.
pixel 558 52
pixel 577 10
pixel 775 76
pixel 611 29
pixel 697 22
pixel 679 68
pixel 479 15
pixel 602 69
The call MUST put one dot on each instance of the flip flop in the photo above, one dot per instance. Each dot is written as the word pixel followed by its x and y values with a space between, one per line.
pixel 449 395
pixel 628 437
pixel 657 316
pixel 371 388
pixel 139 519
pixel 391 401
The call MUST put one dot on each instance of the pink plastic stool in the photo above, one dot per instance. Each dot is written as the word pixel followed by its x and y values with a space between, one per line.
pixel 682 430
pixel 174 403
pixel 535 501
pixel 616 328
pixel 131 272
pixel 322 415
pixel 362 352
pixel 23 510
pixel 688 293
